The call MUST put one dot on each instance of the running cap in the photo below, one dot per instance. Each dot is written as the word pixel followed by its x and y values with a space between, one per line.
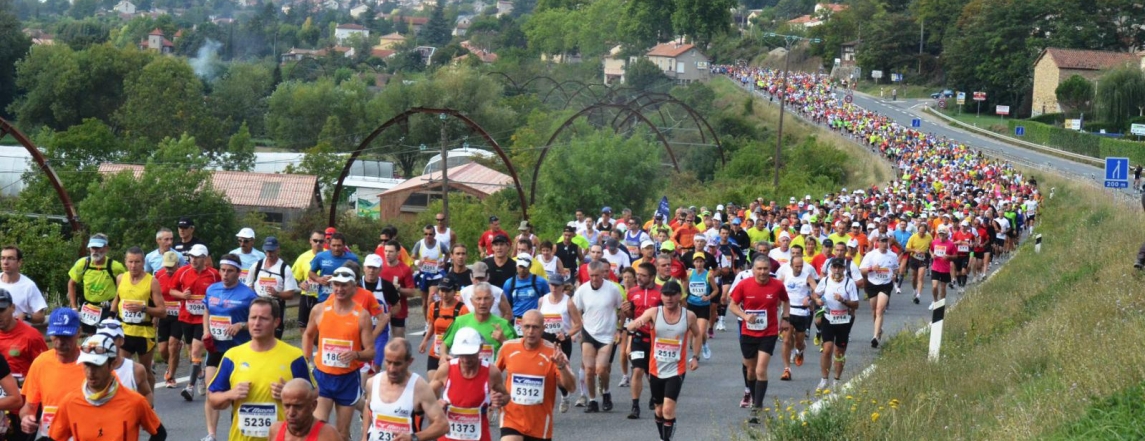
pixel 199 250
pixel 170 259
pixel 63 321
pixel 374 260
pixel 98 350
pixel 467 341
pixel 245 233
pixel 480 269
pixel 344 275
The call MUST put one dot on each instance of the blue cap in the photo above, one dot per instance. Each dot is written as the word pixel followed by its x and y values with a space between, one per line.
pixel 270 244
pixel 64 321
pixel 737 221
pixel 96 242
pixel 557 279
pixel 606 210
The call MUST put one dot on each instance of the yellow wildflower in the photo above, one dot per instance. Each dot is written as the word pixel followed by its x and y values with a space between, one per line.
pixel 874 417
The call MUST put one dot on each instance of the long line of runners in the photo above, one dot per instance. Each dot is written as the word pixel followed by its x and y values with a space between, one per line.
pixel 500 332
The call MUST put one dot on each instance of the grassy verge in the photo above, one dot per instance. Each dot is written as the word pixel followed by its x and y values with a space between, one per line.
pixel 989 122
pixel 1031 354
pixel 864 169
pixel 905 90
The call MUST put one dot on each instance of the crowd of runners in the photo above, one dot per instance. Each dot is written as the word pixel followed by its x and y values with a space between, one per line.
pixel 504 312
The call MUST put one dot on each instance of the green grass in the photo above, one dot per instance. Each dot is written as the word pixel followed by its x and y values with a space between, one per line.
pixel 906 91
pixel 1036 352
pixel 985 121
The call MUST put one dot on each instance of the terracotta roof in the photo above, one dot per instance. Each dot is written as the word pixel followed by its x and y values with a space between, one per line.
pixel 352 26
pixel 670 49
pixel 472 175
pixel 157 31
pixel 802 20
pixel 412 20
pixel 834 7
pixel 1088 60
pixel 393 36
pixel 249 189
pixel 382 53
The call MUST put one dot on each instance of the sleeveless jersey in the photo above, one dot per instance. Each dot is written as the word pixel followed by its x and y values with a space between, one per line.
pixel 432 260
pixel 550 266
pixel 136 324
pixel 126 374
pixel 443 237
pixel 669 346
pixel 338 334
pixel 313 436
pixel 556 315
pixel 468 398
pixel 698 287
pixel 390 419
pixel 797 288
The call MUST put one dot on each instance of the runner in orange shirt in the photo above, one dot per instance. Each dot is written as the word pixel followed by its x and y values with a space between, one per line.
pixel 101 408
pixel 441 315
pixel 54 374
pixel 684 235
pixel 533 369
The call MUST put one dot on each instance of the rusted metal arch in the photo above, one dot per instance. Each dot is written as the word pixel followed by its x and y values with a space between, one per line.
pixel 568 123
pixel 403 118
pixel 584 87
pixel 507 77
pixel 556 86
pixel 7 128
pixel 655 98
pixel 613 92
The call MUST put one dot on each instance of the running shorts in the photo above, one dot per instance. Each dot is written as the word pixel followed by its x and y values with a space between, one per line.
pixel 668 388
pixel 837 334
pixel 137 345
pixel 191 332
pixel 874 290
pixel 750 346
pixel 940 277
pixel 638 350
pixel 703 312
pixel 344 390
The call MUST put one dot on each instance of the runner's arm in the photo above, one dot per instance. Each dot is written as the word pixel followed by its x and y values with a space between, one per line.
pixel 367 415
pixel 441 375
pixel 697 340
pixel 142 386
pixel 367 336
pixel 160 308
pixel 425 398
pixel 639 322
pixel 576 319
pixel 504 306
pixel 72 293
pixel 12 399
pixel 310 334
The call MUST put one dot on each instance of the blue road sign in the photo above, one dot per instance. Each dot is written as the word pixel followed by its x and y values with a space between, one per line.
pixel 1116 172
pixel 1020 131
pixel 916 123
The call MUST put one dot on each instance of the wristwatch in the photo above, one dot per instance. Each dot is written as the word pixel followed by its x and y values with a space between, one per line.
pixel 413 437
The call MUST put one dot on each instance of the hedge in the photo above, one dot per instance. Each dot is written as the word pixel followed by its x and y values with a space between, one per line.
pixel 1080 142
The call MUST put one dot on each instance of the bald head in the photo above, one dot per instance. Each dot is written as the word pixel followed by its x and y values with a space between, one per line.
pixel 533 317
pixel 298 388
pixel 399 345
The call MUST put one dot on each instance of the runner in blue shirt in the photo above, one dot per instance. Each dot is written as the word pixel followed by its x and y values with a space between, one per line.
pixel 228 306
pixel 324 264
pixel 524 290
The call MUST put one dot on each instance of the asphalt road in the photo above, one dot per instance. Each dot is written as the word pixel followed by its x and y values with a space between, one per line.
pixel 708 408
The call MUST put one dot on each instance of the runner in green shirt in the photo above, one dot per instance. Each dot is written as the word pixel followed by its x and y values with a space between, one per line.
pixel 495 330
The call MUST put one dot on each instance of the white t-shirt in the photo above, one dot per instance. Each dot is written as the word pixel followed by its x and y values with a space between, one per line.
pixel 887 262
pixel 598 310
pixel 617 261
pixel 277 275
pixel 467 299
pixel 797 287
pixel 1005 223
pixel 783 257
pixel 26 296
pixel 829 287
pixel 1031 207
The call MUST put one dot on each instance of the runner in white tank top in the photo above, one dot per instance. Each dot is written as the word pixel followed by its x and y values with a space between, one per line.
pixel 126 373
pixel 389 419
pixel 384 420
pixel 444 237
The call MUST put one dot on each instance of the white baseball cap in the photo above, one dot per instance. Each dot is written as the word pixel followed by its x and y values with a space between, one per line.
pixel 524 260
pixel 344 275
pixel 97 349
pixel 647 243
pixel 246 233
pixel 467 341
pixel 198 250
pixel 374 260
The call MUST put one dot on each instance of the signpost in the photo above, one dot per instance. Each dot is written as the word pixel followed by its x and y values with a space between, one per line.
pixel 847 99
pixel 1020 131
pixel 979 97
pixel 961 98
pixel 876 74
pixel 1002 111
pixel 916 123
pixel 942 103
pixel 1137 129
pixel 1116 172
pixel 897 78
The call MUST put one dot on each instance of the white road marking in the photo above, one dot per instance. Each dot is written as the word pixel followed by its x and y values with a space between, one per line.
pixel 179 380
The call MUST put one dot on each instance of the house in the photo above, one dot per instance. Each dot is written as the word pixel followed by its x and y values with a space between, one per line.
pixel 504 7
pixel 366 180
pixel 1055 65
pixel 482 54
pixel 830 8
pixel 415 23
pixel 343 32
pixel 411 197
pixel 357 11
pixel 296 54
pixel 382 53
pixel 39 37
pixel 806 21
pixel 124 7
pixel 281 198
pixel 680 61
pixel 752 14
pixel 614 66
pixel 155 41
pixel 847 53
pixel 462 25
pixel 822 14
pixel 390 41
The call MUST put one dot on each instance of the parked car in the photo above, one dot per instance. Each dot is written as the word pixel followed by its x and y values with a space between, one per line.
pixel 944 94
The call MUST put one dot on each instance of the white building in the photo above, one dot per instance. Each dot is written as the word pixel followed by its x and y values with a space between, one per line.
pixel 344 31
pixel 124 7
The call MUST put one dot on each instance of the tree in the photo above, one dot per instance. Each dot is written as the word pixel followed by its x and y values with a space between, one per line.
pixel 646 22
pixel 13 46
pixel 644 75
pixel 298 111
pixel 702 19
pixel 164 101
pixel 82 9
pixel 1074 94
pixel 240 95
pixel 321 161
pixel 1120 95
pixel 890 43
pixel 240 151
pixel 632 164
pixel 437 30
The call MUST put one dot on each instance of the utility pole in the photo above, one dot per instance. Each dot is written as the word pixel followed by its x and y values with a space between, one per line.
pixel 921 33
pixel 444 172
pixel 788 40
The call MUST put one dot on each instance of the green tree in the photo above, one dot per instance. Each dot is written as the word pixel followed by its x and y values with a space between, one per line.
pixel 890 43
pixel 240 95
pixel 644 75
pixel 240 151
pixel 166 100
pixel 82 9
pixel 437 30
pixel 297 111
pixel 80 34
pixel 13 46
pixel 632 164
pixel 1074 94
pixel 48 253
pixel 75 155
pixel 1120 95
pixel 645 22
pixel 702 19
pixel 321 161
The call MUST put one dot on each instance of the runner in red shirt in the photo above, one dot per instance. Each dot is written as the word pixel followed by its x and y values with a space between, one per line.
pixel 756 302
pixel 397 272
pixel 191 282
pixel 963 240
pixel 19 342
pixel 645 296
pixel 485 243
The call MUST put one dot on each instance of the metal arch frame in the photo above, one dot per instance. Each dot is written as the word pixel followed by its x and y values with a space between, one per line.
pixel 583 87
pixel 403 118
pixel 507 77
pixel 7 128
pixel 568 123
pixel 663 98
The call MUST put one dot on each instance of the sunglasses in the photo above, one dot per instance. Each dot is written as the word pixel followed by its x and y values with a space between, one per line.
pixel 440 220
pixel 316 240
pixel 246 240
pixel 109 326
pixel 95 348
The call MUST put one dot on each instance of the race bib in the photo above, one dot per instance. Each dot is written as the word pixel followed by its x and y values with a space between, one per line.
pixel 839 316
pixel 667 350
pixel 264 283
pixel 940 252
pixel 429 266
pixel 919 256
pixel 464 423
pixel 964 248
pixel 438 344
pixel 517 326
pixel 487 353
pixel 46 419
pixel 90 314
pixel 528 390
pixel 172 309
pixel 332 348
pixel 386 427
pixel 218 325
pixel 195 305
pixel 698 289
pixel 554 324
pixel 636 355
pixel 133 317
pixel 760 322
pixel 255 419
